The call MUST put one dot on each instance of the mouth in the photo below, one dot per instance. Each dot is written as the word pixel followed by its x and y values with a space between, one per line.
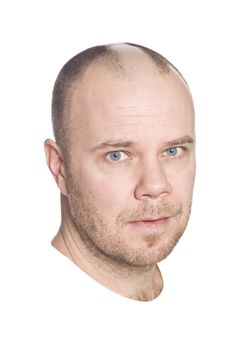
pixel 152 224
pixel 150 219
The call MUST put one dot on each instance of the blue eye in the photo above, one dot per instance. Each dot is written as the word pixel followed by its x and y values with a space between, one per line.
pixel 115 156
pixel 173 151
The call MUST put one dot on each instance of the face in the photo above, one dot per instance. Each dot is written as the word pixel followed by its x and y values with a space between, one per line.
pixel 130 177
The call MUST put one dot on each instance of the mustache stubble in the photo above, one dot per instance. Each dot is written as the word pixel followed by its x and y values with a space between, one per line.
pixel 149 210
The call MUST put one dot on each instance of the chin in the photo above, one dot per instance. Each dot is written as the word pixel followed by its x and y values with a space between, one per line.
pixel 149 255
pixel 152 244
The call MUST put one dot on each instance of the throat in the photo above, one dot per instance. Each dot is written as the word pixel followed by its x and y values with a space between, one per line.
pixel 151 288
pixel 142 283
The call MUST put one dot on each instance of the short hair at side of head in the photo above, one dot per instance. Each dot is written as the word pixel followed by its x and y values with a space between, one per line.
pixel 72 71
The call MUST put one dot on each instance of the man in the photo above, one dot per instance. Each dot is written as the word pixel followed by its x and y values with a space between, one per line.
pixel 124 161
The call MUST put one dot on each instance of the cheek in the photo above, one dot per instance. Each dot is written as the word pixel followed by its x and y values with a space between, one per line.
pixel 182 184
pixel 110 192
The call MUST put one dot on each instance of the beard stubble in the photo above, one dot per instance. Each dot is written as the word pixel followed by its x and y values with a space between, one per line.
pixel 105 240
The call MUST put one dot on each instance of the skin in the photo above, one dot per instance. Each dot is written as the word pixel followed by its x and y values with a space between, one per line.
pixel 110 192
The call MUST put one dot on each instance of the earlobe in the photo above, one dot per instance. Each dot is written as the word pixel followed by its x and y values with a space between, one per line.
pixel 54 160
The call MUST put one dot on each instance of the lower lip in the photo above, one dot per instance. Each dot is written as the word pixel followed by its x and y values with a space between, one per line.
pixel 150 225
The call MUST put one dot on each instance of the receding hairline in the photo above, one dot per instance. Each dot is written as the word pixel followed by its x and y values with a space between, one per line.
pixel 114 59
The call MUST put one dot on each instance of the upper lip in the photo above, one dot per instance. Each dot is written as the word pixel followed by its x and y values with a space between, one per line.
pixel 151 219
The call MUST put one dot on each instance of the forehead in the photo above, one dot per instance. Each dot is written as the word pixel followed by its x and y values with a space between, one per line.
pixel 138 107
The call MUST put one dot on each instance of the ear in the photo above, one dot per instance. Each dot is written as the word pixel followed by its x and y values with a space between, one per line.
pixel 55 164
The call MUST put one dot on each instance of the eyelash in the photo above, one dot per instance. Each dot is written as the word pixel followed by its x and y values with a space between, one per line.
pixel 182 149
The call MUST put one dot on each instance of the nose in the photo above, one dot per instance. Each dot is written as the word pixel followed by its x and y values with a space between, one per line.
pixel 152 181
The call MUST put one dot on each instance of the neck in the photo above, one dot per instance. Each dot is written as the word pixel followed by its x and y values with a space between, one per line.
pixel 139 283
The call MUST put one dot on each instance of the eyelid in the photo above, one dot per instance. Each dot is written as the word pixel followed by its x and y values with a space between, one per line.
pixel 116 150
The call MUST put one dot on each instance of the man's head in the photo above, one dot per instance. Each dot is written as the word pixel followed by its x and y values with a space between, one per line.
pixel 124 156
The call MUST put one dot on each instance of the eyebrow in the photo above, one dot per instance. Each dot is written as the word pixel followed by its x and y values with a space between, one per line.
pixel 126 144
pixel 180 141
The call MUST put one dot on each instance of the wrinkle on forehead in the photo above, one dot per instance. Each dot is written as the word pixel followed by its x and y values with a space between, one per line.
pixel 99 87
pixel 102 102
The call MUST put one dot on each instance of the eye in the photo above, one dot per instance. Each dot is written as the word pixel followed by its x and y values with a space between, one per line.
pixel 173 152
pixel 116 156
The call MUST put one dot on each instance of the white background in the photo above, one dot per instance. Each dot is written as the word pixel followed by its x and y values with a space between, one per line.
pixel 205 41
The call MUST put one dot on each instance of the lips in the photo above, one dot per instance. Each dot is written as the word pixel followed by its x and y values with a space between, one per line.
pixel 151 225
pixel 150 219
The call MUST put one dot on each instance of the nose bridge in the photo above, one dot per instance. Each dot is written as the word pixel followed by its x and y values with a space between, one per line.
pixel 152 179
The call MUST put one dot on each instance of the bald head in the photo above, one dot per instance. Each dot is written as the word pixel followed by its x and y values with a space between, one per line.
pixel 119 61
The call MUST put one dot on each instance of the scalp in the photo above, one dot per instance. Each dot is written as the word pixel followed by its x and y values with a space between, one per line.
pixel 120 61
